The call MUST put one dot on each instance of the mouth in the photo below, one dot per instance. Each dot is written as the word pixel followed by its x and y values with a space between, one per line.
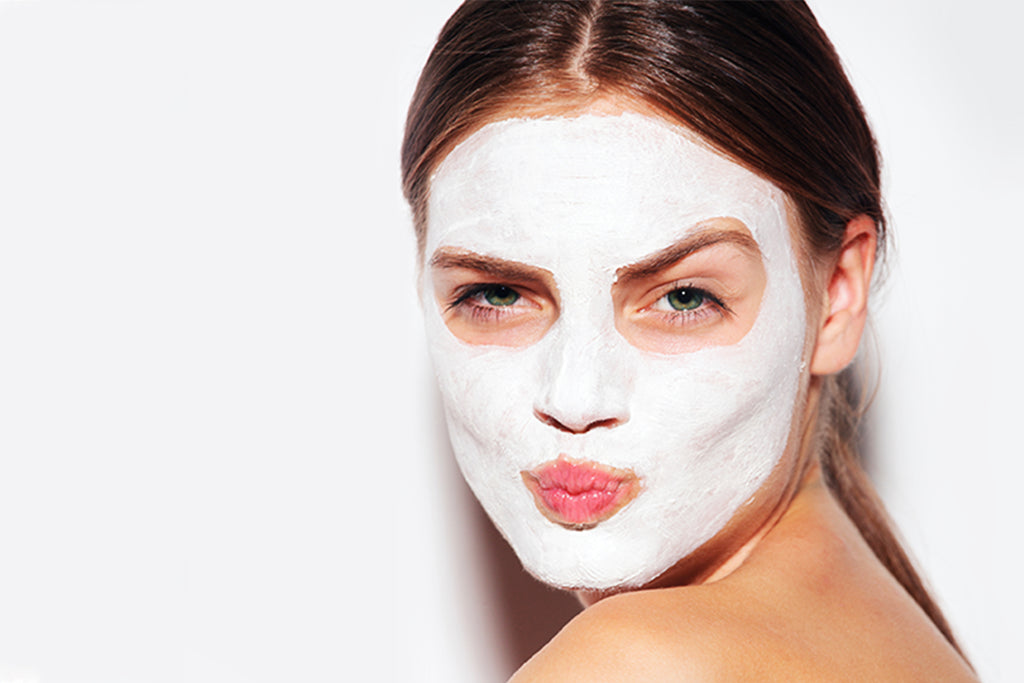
pixel 580 494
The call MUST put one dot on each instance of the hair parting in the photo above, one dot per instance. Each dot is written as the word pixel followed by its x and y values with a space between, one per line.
pixel 758 81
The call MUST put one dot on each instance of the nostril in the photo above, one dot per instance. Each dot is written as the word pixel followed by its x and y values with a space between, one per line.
pixel 580 428
pixel 610 422
pixel 550 421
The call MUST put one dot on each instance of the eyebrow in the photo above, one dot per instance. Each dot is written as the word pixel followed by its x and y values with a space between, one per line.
pixel 500 269
pixel 655 263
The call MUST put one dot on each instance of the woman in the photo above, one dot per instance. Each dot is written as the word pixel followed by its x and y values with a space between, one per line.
pixel 647 234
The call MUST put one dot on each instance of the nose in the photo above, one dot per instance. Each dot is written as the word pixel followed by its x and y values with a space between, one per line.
pixel 586 386
pixel 580 426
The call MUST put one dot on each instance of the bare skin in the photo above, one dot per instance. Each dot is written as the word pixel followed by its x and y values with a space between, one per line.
pixel 809 603
pixel 789 591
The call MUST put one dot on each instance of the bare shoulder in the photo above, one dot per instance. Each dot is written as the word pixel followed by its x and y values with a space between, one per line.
pixel 722 632
pixel 812 604
pixel 675 634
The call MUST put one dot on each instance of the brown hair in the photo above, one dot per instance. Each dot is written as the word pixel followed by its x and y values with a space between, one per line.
pixel 759 81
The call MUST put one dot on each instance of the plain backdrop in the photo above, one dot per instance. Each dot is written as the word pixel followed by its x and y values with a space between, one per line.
pixel 221 457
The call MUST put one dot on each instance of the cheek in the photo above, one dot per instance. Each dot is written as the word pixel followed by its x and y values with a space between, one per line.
pixel 486 391
pixel 813 272
pixel 709 409
pixel 482 386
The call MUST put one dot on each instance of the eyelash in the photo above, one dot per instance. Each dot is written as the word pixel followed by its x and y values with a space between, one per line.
pixel 710 305
pixel 463 300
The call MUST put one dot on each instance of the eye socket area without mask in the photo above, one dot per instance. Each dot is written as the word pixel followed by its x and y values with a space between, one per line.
pixel 490 301
pixel 704 290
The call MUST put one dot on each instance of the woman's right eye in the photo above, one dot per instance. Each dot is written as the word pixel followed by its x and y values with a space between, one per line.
pixel 486 302
pixel 513 309
pixel 500 295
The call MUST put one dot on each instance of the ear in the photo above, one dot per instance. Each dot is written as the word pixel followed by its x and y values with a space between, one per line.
pixel 846 304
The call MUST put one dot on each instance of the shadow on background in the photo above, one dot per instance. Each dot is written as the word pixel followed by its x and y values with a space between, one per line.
pixel 526 613
pixel 529 613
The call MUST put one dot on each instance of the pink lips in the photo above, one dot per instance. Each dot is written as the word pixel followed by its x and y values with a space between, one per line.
pixel 579 494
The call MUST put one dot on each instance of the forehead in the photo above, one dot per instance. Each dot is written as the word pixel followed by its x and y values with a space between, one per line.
pixel 616 188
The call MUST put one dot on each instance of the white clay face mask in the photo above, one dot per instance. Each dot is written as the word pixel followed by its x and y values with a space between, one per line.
pixel 603 459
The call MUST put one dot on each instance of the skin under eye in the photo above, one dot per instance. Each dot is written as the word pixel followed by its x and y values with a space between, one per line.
pixel 710 296
pixel 491 301
pixel 498 314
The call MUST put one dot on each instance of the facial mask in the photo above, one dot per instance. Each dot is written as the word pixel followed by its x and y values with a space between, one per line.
pixel 692 435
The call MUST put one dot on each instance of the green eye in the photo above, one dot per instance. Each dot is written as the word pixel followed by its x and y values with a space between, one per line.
pixel 685 299
pixel 501 296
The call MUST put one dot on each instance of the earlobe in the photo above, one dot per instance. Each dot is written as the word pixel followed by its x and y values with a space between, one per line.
pixel 846 303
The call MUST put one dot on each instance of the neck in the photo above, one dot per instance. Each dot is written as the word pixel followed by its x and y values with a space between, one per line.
pixel 730 548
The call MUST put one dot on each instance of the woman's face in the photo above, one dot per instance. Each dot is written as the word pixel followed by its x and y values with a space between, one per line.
pixel 617 324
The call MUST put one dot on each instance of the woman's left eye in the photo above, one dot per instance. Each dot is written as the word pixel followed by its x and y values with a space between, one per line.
pixel 688 306
pixel 684 299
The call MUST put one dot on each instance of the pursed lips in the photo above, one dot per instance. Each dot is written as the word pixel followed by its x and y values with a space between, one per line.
pixel 580 494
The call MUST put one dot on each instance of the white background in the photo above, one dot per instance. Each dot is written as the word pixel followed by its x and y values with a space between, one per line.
pixel 220 454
